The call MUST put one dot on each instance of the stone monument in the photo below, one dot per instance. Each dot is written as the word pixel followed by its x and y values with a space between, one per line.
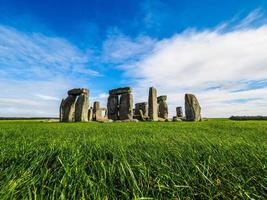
pixel 192 108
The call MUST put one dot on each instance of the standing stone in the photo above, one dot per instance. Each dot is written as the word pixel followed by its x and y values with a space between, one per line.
pixel 126 107
pixel 112 106
pixel 163 107
pixel 90 114
pixel 61 110
pixel 96 107
pixel 81 108
pixel 192 108
pixel 179 112
pixel 152 104
pixel 141 106
pixel 68 108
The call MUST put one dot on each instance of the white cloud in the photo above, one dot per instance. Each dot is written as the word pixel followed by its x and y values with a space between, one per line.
pixel 34 55
pixel 36 71
pixel 119 48
pixel 225 67
pixel 46 97
pixel 213 64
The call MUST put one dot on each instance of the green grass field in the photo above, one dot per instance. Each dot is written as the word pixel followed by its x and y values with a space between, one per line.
pixel 215 159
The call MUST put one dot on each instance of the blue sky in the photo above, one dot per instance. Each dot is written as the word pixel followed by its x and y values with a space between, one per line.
pixel 214 49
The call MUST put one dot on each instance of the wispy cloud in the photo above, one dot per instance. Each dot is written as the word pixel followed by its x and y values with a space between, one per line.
pixel 36 71
pixel 120 49
pixel 37 56
pixel 219 66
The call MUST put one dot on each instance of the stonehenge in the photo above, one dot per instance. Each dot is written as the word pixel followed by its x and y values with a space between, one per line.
pixel 75 107
pixel 152 104
pixel 120 104
pixel 99 114
pixel 141 111
pixel 192 108
pixel 81 108
pixel 163 107
pixel 179 112
pixel 90 114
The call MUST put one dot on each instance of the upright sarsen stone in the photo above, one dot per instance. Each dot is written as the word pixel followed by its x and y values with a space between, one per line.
pixel 112 106
pixel 152 104
pixel 126 107
pixel 68 109
pixel 61 110
pixel 90 114
pixel 81 108
pixel 192 108
pixel 96 107
pixel 163 107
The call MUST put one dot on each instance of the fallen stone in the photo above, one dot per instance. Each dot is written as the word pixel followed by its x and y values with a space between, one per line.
pixel 142 117
pixel 106 121
pixel 130 120
pixel 177 119
pixel 192 108
pixel 161 119
pixel 141 106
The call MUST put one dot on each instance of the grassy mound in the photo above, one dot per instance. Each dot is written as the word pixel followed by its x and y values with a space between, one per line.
pixel 215 159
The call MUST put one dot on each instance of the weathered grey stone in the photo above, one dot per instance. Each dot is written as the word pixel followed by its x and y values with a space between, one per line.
pixel 90 114
pixel 106 121
pixel 126 107
pixel 141 106
pixel 192 108
pixel 179 111
pixel 99 115
pixel 120 91
pixel 112 106
pixel 142 117
pixel 162 98
pixel 96 107
pixel 78 91
pixel 161 119
pixel 163 107
pixel 176 119
pixel 68 108
pixel 61 110
pixel 152 104
pixel 129 120
pixel 81 108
